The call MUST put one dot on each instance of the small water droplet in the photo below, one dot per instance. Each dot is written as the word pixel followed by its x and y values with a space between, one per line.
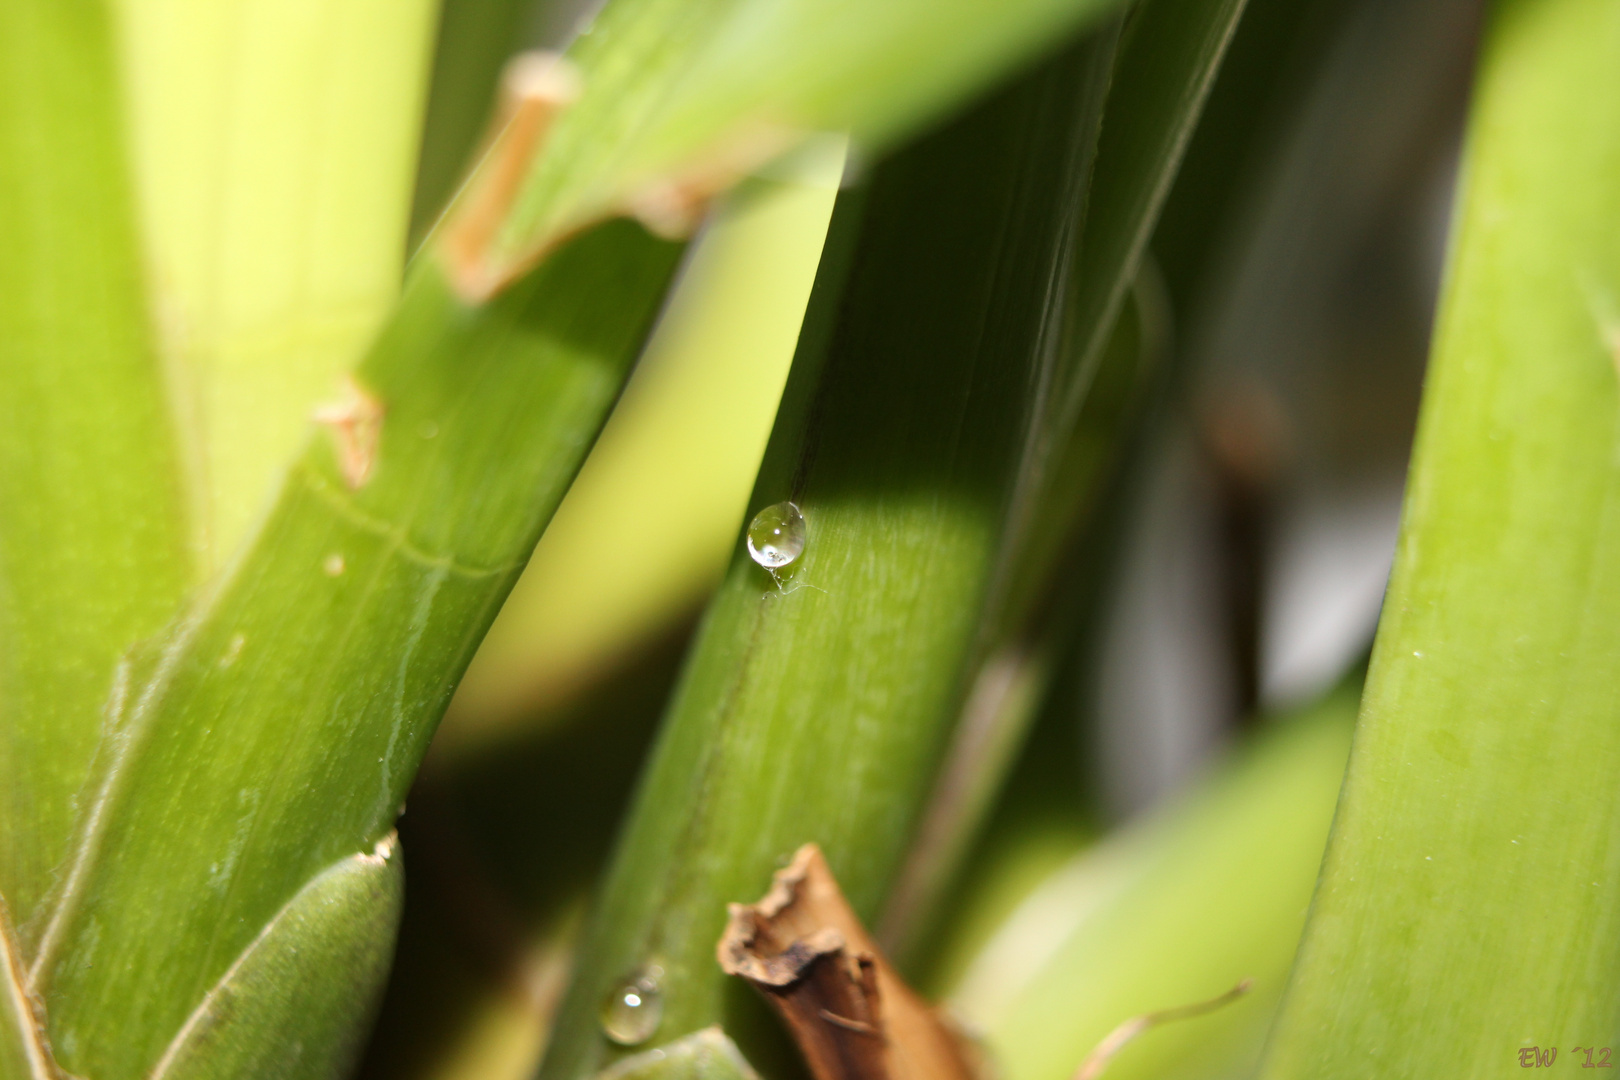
pixel 333 565
pixel 634 1007
pixel 776 536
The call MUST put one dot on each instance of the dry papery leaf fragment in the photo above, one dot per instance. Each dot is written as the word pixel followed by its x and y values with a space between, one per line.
pixel 535 88
pixel 355 420
pixel 804 949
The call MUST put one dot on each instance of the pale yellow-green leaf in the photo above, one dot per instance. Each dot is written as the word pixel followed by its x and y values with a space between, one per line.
pixel 274 145
pixel 647 526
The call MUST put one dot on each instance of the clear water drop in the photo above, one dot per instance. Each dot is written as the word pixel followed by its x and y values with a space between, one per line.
pixel 634 1007
pixel 776 536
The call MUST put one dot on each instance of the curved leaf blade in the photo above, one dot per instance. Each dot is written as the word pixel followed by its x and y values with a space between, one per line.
pixel 1469 905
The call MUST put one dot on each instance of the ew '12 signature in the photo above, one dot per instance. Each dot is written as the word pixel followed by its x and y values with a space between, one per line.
pixel 1534 1057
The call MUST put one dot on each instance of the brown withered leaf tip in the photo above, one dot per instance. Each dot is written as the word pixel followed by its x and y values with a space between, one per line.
pixel 804 949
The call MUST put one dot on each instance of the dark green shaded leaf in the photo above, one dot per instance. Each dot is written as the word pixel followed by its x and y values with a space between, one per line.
pixel 815 709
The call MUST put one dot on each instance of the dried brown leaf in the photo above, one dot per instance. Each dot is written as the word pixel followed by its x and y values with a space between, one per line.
pixel 853 1017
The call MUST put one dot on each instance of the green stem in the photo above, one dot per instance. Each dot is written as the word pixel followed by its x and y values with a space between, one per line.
pixel 816 708
pixel 268 726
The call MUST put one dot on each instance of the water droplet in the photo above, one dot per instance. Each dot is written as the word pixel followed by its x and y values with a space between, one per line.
pixel 634 1007
pixel 333 564
pixel 776 536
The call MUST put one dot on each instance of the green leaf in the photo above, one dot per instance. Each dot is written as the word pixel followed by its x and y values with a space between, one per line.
pixel 1469 905
pixel 1167 60
pixel 274 145
pixel 814 708
pixel 264 1018
pixel 92 528
pixel 817 707
pixel 286 716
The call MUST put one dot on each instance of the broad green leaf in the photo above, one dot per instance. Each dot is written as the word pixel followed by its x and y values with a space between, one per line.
pixel 1031 627
pixel 92 538
pixel 286 716
pixel 1168 60
pixel 1469 906
pixel 265 1018
pixel 1210 890
pixel 274 144
pixel 814 708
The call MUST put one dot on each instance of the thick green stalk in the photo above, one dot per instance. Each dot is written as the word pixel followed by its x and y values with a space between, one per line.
pixel 1469 906
pixel 816 708
pixel 92 537
pixel 284 719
